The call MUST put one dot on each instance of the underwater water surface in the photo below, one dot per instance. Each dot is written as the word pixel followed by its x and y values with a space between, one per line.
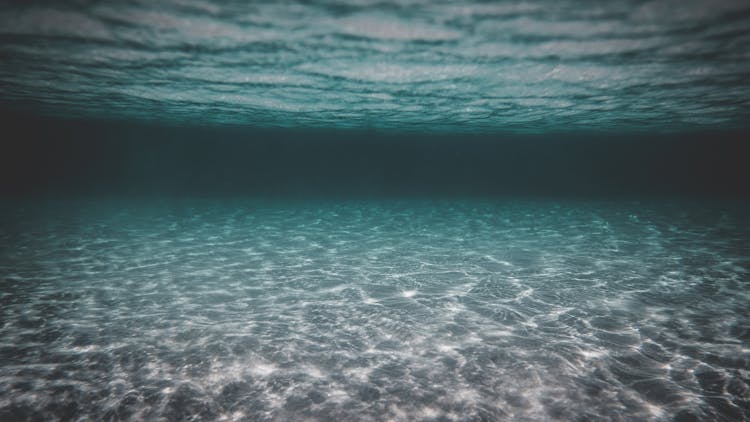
pixel 470 66
pixel 374 310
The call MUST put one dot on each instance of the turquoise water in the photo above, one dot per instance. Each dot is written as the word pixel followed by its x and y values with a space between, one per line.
pixel 374 210
pixel 534 66
pixel 374 310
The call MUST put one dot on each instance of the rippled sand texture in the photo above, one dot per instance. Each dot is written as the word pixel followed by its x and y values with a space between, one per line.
pixel 532 66
pixel 374 311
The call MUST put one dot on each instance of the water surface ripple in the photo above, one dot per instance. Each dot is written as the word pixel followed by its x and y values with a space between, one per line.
pixel 532 66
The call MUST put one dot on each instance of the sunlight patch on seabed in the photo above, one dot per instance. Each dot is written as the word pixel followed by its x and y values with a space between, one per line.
pixel 299 311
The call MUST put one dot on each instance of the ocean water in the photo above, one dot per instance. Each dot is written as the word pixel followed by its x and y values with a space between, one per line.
pixel 473 66
pixel 374 310
pixel 375 210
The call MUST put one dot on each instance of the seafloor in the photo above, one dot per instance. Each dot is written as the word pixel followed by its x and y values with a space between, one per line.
pixel 374 310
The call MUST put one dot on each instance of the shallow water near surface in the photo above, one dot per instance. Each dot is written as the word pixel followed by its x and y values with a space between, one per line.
pixel 430 66
pixel 374 310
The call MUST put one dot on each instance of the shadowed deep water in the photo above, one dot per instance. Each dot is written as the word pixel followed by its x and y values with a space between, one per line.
pixel 375 310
